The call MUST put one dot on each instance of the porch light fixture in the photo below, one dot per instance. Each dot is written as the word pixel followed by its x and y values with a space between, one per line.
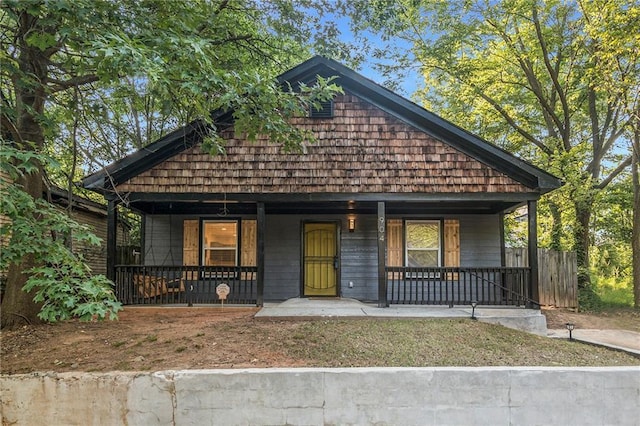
pixel 473 310
pixel 352 224
pixel 570 326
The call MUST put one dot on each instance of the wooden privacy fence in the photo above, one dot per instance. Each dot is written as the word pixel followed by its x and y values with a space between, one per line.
pixel 557 275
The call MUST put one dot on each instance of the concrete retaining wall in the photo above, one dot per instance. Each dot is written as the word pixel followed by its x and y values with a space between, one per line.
pixel 407 396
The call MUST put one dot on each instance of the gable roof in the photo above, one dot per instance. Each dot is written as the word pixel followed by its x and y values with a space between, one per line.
pixel 388 101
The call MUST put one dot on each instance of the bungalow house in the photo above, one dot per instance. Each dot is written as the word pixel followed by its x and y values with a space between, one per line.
pixel 391 204
pixel 88 212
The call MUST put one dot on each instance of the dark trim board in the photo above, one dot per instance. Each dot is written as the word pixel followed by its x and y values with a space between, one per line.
pixel 245 204
pixel 260 219
pixel 136 197
pixel 381 225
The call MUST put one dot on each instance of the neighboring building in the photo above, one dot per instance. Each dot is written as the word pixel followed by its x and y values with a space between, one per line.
pixel 391 203
pixel 88 212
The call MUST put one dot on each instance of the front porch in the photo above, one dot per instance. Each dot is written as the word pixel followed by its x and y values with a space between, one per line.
pixel 268 242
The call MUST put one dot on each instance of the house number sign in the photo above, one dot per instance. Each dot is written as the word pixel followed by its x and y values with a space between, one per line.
pixel 222 290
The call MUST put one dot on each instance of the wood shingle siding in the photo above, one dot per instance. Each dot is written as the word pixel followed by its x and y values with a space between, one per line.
pixel 361 150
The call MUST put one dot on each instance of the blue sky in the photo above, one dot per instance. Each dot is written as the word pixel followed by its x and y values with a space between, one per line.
pixel 407 86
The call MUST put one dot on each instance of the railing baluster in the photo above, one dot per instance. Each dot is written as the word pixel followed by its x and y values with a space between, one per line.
pixel 159 284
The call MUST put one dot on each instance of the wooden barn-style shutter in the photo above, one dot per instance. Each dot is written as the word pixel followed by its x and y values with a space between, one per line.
pixel 394 242
pixel 249 242
pixel 451 242
pixel 190 246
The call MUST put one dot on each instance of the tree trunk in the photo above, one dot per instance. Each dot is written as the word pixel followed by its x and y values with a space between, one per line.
pixel 18 306
pixel 582 241
pixel 556 226
pixel 635 234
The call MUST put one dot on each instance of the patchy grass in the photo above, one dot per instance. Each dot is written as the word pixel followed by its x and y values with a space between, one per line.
pixel 151 338
pixel 416 343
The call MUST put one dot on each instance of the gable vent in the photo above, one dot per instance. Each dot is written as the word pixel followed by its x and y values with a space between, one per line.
pixel 325 111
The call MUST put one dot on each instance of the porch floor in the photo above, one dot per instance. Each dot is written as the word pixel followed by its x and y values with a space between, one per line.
pixel 529 320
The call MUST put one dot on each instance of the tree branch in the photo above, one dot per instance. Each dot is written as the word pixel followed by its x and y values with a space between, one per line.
pixel 623 165
pixel 72 82
pixel 548 112
pixel 513 124
pixel 7 122
pixel 566 125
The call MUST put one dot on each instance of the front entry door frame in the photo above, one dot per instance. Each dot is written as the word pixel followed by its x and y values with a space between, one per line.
pixel 338 226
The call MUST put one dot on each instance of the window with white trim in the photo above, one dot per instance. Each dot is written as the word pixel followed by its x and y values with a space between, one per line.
pixel 422 243
pixel 219 243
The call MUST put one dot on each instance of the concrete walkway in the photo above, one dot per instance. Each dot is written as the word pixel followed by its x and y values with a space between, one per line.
pixel 530 320
pixel 622 340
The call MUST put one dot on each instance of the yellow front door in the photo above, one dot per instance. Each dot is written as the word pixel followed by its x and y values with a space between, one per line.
pixel 320 259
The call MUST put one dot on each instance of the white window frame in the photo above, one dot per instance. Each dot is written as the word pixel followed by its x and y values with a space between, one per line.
pixel 438 223
pixel 204 249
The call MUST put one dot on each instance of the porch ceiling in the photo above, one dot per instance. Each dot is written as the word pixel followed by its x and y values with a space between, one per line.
pixel 325 207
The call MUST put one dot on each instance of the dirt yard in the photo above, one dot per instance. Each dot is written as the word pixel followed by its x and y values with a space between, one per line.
pixel 619 319
pixel 192 338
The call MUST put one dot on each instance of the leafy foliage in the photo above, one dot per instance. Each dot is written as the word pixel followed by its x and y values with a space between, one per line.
pixel 556 82
pixel 62 283
pixel 88 81
pixel 124 73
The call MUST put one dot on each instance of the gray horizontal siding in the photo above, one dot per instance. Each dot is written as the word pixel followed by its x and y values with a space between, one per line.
pixel 360 259
pixel 479 242
pixel 282 257
pixel 163 240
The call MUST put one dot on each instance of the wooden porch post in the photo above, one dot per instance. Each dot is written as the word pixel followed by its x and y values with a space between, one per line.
pixel 112 233
pixel 503 255
pixel 260 254
pixel 382 243
pixel 532 214
pixel 143 236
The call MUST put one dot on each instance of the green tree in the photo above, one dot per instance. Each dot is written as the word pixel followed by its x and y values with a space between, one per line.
pixel 616 26
pixel 529 75
pixel 62 284
pixel 191 57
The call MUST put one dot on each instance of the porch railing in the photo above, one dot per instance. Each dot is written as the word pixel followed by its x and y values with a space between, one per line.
pixel 458 286
pixel 156 285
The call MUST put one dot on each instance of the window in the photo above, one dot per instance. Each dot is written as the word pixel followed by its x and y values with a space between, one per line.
pixel 422 243
pixel 219 243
